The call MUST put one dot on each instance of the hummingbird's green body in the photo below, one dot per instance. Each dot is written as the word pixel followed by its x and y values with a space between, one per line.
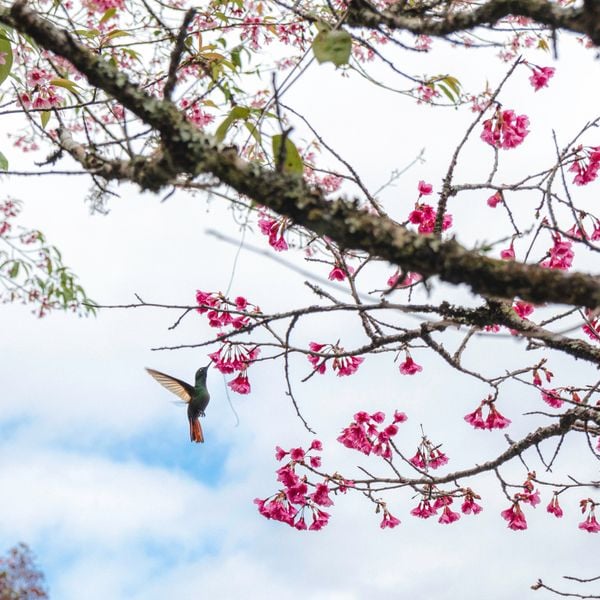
pixel 196 397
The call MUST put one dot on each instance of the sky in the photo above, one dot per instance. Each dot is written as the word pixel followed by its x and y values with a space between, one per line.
pixel 96 469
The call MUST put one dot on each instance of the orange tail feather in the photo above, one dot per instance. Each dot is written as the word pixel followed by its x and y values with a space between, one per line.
pixel 196 434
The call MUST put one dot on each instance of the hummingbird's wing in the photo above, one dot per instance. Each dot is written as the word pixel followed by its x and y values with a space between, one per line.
pixel 180 388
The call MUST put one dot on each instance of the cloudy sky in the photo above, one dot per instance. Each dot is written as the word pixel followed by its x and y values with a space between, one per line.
pixel 97 473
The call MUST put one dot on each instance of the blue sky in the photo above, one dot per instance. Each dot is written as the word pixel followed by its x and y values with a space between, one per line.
pixel 96 469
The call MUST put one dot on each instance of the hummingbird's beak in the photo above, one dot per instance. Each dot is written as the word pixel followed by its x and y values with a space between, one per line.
pixel 208 365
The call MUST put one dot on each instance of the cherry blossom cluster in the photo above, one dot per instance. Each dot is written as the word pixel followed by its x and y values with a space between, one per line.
pixel 561 255
pixel 274 229
pixel 540 76
pixel 296 501
pixel 195 114
pixel 592 325
pixel 339 272
pixel 343 365
pixel 586 164
pixel 41 94
pixel 514 515
pixel 589 524
pixel 232 357
pixel 493 420
pixel 505 129
pixel 428 456
pixel 407 280
pixel 8 210
pixel 367 435
pixel 218 309
pixel 424 215
pixel 432 501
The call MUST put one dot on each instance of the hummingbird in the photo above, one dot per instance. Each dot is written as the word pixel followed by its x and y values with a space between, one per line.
pixel 196 397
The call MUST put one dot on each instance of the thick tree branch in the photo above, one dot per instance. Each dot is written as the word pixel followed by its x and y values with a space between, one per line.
pixel 585 19
pixel 189 151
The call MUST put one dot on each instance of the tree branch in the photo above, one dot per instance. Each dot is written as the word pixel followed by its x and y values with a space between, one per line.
pixel 188 150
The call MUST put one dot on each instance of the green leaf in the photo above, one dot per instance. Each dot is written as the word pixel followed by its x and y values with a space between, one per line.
pixel 292 162
pixel 6 58
pixel 88 33
pixel 332 46
pixel 65 83
pixel 14 270
pixel 446 92
pixel 108 15
pixel 453 83
pixel 253 131
pixel 236 58
pixel 237 113
pixel 44 118
pixel 116 33
pixel 3 162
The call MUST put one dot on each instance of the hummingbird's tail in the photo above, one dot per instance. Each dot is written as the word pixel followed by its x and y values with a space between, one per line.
pixel 196 434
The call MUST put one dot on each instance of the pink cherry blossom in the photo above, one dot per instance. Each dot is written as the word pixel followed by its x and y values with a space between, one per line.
pixel 355 436
pixel 523 309
pixel 424 216
pixel 300 524
pixel 320 519
pixel 418 460
pixel 399 417
pixel 554 507
pixel 241 303
pixel 297 454
pixel 279 453
pixel 318 362
pixel 540 77
pixel 494 200
pixel 424 188
pixel 321 495
pixel 515 517
pixel 552 398
pixel 592 327
pixel 273 229
pixel 476 418
pixel 495 420
pixel 437 459
pixel 448 516
pixel 346 365
pixel 590 524
pixel 337 274
pixel 316 445
pixel 561 255
pixel 505 129
pixel 531 497
pixel 364 435
pixel 586 165
pixel 234 357
pixel 207 299
pixel 409 279
pixel 240 384
pixel 409 366
pixel 469 506
pixel 508 253
pixel 424 510
pixel 389 520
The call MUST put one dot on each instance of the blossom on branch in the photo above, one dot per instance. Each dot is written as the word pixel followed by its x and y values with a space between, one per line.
pixel 540 76
pixel 505 129
pixel 409 366
pixel 515 517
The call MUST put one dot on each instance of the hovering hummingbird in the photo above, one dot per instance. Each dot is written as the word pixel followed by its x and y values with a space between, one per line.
pixel 196 397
